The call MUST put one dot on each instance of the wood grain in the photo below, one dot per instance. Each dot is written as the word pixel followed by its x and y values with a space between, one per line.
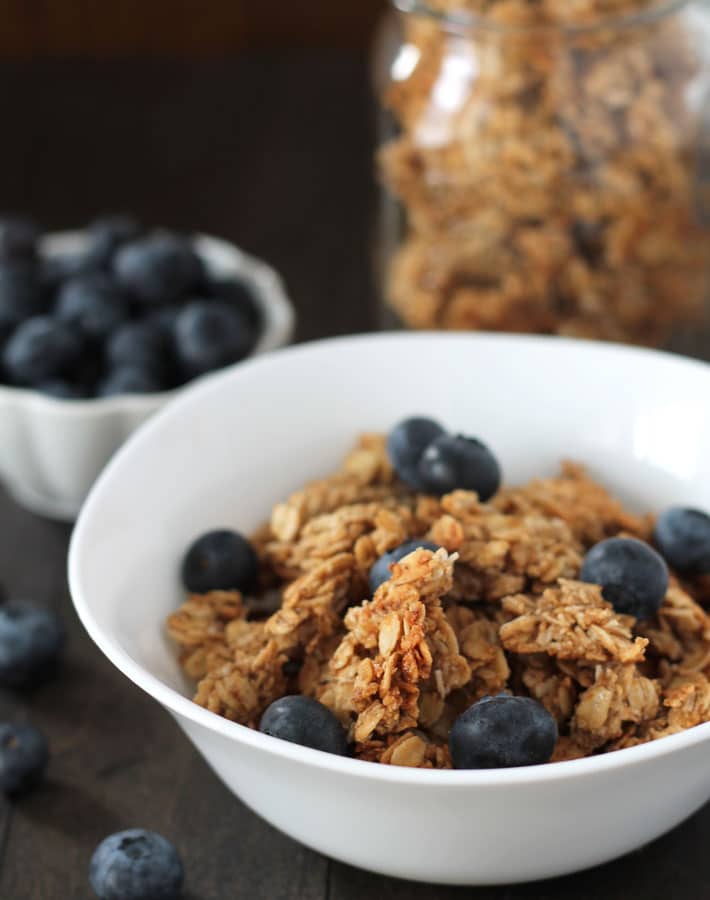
pixel 275 152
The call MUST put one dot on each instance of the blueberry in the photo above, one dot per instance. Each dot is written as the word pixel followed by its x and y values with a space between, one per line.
pixel 18 238
pixel 633 577
pixel 54 270
pixel 40 348
pixel 455 462
pixel 210 335
pixel 240 295
pixel 129 380
pixel 141 344
pixel 406 444
pixel 136 865
pixel 107 234
pixel 683 537
pixel 502 732
pixel 303 720
pixel 21 294
pixel 24 756
pixel 165 317
pixel 380 572
pixel 31 639
pixel 158 269
pixel 93 302
pixel 61 389
pixel 219 560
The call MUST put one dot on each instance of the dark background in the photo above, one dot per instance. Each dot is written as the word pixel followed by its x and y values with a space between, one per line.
pixel 183 28
pixel 253 121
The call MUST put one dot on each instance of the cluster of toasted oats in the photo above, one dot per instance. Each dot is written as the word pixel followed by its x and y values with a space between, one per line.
pixel 547 175
pixel 497 608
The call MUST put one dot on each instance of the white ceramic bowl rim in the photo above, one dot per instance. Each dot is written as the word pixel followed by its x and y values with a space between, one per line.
pixel 183 706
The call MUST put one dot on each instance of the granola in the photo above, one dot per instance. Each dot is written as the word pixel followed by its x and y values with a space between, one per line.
pixel 547 171
pixel 499 608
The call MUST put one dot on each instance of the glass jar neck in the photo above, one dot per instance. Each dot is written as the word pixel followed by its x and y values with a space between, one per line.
pixel 462 20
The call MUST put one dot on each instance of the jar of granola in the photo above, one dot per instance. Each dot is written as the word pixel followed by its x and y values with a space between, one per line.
pixel 552 167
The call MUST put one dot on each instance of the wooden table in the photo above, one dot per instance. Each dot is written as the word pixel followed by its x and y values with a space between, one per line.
pixel 276 154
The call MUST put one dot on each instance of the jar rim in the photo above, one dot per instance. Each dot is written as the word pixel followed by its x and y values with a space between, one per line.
pixel 470 21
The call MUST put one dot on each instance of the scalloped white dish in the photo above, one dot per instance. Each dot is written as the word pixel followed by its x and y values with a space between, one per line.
pixel 211 460
pixel 51 450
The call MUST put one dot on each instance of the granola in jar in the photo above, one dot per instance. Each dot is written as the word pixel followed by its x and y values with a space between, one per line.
pixel 549 162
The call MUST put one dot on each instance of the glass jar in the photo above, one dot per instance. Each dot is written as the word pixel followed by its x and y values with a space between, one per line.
pixel 551 168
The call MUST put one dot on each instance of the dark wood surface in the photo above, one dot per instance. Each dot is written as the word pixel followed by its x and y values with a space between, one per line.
pixel 274 153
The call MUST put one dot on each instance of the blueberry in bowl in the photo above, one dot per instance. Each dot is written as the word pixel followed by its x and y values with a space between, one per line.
pixel 91 342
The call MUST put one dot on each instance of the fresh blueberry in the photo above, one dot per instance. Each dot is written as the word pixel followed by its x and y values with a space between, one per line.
pixel 210 335
pixel 141 344
pixel 380 572
pixel 24 756
pixel 240 295
pixel 107 234
pixel 683 537
pixel 18 238
pixel 303 720
pixel 406 444
pixel 633 577
pixel 165 317
pixel 54 270
pixel 136 865
pixel 61 389
pixel 219 560
pixel 455 462
pixel 502 732
pixel 93 302
pixel 129 380
pixel 31 639
pixel 40 348
pixel 21 294
pixel 158 269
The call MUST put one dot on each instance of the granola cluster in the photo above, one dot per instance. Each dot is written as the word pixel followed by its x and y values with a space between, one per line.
pixel 497 608
pixel 547 171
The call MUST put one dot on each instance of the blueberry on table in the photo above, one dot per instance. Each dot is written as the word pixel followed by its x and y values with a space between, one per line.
pixel 683 537
pixel 455 462
pixel 502 732
pixel 136 865
pixel 129 380
pixel 160 268
pixel 406 444
pixel 24 755
pixel 21 292
pixel 40 348
pixel 220 560
pixel 107 234
pixel 210 335
pixel 93 302
pixel 18 238
pixel 380 572
pixel 305 721
pixel 632 576
pixel 31 639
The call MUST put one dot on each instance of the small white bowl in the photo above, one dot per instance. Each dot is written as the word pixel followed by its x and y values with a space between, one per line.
pixel 51 450
pixel 225 451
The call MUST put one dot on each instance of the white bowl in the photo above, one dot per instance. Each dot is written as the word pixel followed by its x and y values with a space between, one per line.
pixel 51 450
pixel 226 450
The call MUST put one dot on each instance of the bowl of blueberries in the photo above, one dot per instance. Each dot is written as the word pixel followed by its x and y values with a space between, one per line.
pixel 99 327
